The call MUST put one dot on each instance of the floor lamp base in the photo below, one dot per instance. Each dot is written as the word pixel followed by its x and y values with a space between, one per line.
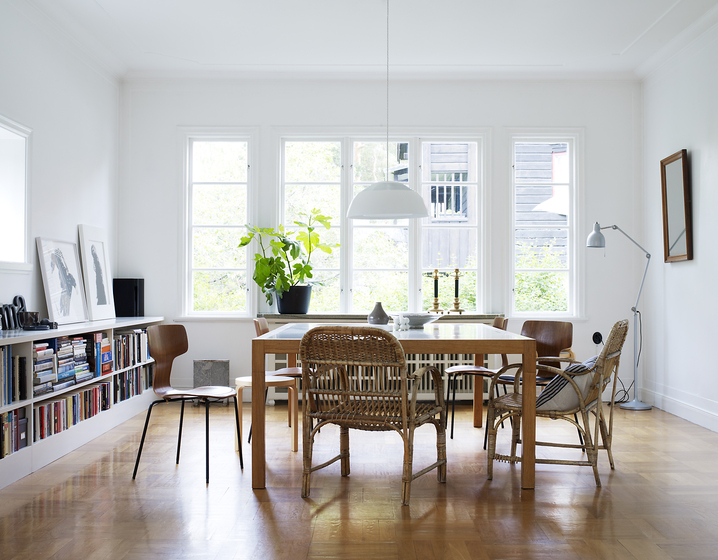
pixel 635 404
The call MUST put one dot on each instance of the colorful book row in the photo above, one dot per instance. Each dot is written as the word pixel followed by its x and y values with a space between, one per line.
pixel 13 431
pixel 57 415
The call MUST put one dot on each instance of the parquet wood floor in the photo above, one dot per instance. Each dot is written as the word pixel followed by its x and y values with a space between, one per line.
pixel 660 503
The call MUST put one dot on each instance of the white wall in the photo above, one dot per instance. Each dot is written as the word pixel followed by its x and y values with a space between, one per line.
pixel 151 179
pixel 72 110
pixel 681 303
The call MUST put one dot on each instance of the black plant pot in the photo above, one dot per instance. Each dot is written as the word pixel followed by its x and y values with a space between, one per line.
pixel 295 301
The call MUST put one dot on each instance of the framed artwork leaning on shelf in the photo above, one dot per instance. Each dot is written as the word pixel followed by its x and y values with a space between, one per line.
pixel 96 271
pixel 60 267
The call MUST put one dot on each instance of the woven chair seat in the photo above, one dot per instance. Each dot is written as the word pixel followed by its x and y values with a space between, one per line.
pixel 511 401
pixel 374 415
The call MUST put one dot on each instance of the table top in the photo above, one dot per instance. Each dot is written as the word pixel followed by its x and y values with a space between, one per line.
pixel 432 331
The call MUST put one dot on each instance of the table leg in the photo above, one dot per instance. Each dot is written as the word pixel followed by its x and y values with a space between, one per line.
pixel 291 360
pixel 528 422
pixel 258 445
pixel 478 393
pixel 240 392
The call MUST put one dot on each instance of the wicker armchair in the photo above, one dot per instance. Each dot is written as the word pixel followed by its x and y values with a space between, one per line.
pixel 581 395
pixel 356 377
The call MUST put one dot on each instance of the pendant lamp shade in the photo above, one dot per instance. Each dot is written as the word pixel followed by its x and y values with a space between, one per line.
pixel 387 200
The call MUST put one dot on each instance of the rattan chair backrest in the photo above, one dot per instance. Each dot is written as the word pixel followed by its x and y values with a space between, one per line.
pixel 361 366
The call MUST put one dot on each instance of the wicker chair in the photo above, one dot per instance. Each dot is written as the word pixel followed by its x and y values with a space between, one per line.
pixel 588 386
pixel 356 377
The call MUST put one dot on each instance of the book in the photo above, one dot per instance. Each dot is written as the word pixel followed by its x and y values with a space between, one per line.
pixel 41 378
pixel 42 388
pixel 43 366
pixel 23 378
pixel 64 385
pixel 106 357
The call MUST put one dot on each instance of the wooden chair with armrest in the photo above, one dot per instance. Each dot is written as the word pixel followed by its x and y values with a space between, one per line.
pixel 166 342
pixel 576 390
pixel 357 377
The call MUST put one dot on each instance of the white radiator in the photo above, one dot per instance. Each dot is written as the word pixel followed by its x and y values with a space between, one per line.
pixel 464 386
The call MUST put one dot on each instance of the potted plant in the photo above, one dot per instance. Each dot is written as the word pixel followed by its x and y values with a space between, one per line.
pixel 282 266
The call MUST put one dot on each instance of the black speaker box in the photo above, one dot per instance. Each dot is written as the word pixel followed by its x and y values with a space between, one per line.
pixel 129 294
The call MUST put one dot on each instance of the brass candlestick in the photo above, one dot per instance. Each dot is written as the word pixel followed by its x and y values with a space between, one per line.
pixel 456 308
pixel 436 308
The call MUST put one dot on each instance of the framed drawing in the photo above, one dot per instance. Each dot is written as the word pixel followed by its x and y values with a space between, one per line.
pixel 96 270
pixel 60 267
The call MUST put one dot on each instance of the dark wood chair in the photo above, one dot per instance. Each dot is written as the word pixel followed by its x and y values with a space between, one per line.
pixel 166 342
pixel 479 371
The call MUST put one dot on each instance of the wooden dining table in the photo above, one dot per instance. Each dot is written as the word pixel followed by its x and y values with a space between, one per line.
pixel 434 338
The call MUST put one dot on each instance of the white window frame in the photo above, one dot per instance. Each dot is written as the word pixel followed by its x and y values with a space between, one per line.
pixel 574 138
pixel 187 135
pixel 23 266
pixel 415 137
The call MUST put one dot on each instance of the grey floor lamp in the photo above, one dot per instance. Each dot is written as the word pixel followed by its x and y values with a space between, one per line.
pixel 597 240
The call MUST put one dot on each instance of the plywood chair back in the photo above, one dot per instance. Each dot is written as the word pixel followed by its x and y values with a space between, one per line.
pixel 552 337
pixel 166 342
pixel 261 326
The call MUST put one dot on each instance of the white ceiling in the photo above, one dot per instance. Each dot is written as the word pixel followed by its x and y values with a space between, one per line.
pixel 347 38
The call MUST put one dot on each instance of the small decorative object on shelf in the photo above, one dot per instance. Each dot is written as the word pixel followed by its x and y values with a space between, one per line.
pixel 377 316
pixel 457 306
pixel 436 308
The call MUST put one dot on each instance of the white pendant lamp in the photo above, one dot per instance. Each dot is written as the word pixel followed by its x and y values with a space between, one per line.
pixel 387 200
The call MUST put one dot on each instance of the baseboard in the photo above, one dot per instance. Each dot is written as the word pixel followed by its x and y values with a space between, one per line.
pixel 689 412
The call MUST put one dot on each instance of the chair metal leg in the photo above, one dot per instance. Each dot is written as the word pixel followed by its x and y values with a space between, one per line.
pixel 179 436
pixel 580 437
pixel 249 439
pixel 239 436
pixel 206 407
pixel 144 432
pixel 452 383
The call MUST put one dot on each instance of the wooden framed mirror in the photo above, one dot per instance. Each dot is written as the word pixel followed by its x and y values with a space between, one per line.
pixel 676 192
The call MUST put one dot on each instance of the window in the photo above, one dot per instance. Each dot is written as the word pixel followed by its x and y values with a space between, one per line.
pixel 544 225
pixel 391 261
pixel 14 140
pixel 217 204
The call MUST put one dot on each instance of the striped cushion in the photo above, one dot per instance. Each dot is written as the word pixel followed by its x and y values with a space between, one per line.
pixel 559 394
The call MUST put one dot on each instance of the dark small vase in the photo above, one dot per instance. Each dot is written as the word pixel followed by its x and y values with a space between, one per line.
pixel 377 316
pixel 295 301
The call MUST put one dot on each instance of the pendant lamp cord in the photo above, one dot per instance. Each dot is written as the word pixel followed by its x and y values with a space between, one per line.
pixel 387 90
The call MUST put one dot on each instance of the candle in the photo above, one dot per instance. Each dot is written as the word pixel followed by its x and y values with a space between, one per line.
pixel 456 284
pixel 436 283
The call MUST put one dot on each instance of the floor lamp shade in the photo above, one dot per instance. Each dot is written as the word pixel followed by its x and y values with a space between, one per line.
pixel 387 200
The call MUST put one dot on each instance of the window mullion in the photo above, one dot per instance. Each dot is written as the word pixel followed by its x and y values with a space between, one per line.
pixel 346 234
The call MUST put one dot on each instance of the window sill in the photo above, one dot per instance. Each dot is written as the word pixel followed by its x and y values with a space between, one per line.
pixel 280 319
